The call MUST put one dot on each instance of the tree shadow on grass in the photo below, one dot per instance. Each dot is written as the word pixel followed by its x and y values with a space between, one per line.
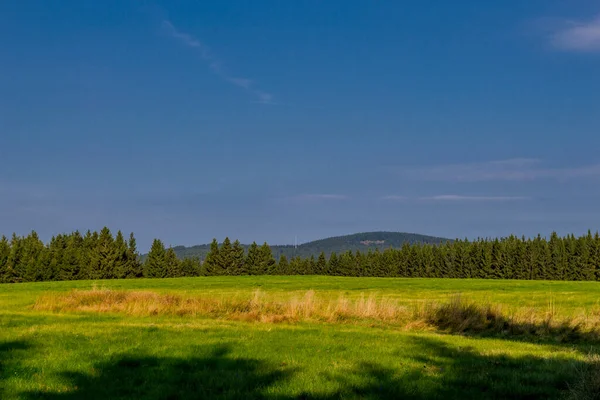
pixel 10 358
pixel 216 376
pixel 442 371
pixel 447 372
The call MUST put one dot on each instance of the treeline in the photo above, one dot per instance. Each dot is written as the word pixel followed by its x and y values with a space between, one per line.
pixel 104 256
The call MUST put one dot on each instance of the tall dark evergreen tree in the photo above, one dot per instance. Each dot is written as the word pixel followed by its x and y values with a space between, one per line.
pixel 155 265
pixel 4 256
pixel 253 259
pixel 104 256
pixel 321 264
pixel 133 267
pixel 283 266
pixel 120 263
pixel 172 264
pixel 334 265
pixel 238 258
pixel 225 261
pixel 266 260
pixel 70 268
pixel 190 267
pixel 212 265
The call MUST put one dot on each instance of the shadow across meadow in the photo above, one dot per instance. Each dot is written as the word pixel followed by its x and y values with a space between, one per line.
pixel 442 372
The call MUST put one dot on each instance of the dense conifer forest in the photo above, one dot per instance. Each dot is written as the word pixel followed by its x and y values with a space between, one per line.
pixel 363 242
pixel 102 255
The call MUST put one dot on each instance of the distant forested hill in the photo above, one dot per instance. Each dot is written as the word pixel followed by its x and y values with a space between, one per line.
pixel 338 244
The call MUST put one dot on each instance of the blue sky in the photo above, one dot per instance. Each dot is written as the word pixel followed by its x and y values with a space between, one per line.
pixel 268 120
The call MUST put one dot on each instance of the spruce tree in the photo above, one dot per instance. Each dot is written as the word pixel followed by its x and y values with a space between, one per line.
pixel 225 261
pixel 120 263
pixel 238 258
pixel 87 251
pixel 310 265
pixel 104 257
pixel 321 265
pixel 283 266
pixel 71 264
pixel 155 266
pixel 253 259
pixel 15 259
pixel 212 263
pixel 190 267
pixel 266 260
pixel 333 267
pixel 4 255
pixel 172 264
pixel 133 266
pixel 32 251
pixel 296 266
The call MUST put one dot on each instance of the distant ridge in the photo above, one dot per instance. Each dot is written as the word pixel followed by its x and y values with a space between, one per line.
pixel 339 244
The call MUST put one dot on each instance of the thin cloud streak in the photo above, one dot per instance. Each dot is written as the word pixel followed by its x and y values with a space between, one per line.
pixel 321 197
pixel 314 198
pixel 394 198
pixel 579 36
pixel 519 169
pixel 215 63
pixel 461 198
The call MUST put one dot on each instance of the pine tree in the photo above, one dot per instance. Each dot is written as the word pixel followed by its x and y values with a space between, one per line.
pixel 172 264
pixel 32 251
pixel 333 267
pixel 310 265
pixel 71 262
pixel 427 262
pixel 266 261
pixel 253 259
pixel 56 259
pixel 225 261
pixel 296 266
pixel 4 255
pixel 85 256
pixel 120 263
pixel 104 256
pixel 212 264
pixel 402 260
pixel 17 268
pixel 190 267
pixel 557 263
pixel 283 266
pixel 588 263
pixel 238 257
pixel 155 266
pixel 596 256
pixel 321 265
pixel 133 266
pixel 498 265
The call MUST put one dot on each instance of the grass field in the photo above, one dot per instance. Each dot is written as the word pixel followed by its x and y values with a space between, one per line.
pixel 105 354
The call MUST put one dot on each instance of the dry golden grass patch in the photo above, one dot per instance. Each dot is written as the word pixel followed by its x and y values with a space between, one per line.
pixel 456 315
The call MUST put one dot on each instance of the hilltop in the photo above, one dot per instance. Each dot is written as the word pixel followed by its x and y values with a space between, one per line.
pixel 339 244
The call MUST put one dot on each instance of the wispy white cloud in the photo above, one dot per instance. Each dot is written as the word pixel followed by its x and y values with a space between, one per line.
pixel 580 36
pixel 394 197
pixel 519 169
pixel 461 198
pixel 215 63
pixel 314 198
pixel 321 196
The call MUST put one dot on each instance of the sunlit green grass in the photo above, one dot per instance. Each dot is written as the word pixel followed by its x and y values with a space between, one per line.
pixel 109 356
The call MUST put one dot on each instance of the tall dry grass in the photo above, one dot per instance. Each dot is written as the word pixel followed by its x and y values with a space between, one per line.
pixel 456 315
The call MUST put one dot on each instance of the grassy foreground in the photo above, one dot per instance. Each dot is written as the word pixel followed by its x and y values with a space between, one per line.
pixel 102 355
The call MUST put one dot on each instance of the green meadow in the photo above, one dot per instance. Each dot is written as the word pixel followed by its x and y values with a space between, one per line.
pixel 46 354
